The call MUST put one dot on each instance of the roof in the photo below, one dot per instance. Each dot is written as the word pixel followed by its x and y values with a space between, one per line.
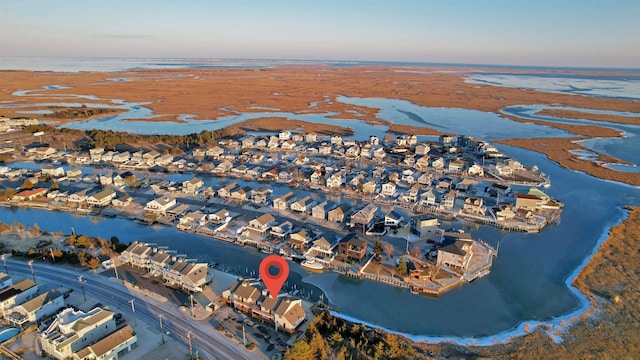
pixel 112 341
pixel 247 291
pixel 27 193
pixel 92 320
pixel 527 196
pixel 40 300
pixel 103 194
pixel 265 219
pixel 16 289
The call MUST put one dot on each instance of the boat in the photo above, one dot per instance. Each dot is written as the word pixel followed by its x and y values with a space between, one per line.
pixel 312 264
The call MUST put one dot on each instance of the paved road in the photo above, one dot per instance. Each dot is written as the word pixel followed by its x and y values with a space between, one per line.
pixel 209 342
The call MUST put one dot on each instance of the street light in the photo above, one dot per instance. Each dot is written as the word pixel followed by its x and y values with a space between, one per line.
pixel 133 308
pixel 82 286
pixel 161 329
pixel 32 273
pixel 4 260
pixel 190 348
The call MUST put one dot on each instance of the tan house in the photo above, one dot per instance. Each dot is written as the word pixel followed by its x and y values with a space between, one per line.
pixel 456 252
pixel 191 186
pixel 102 198
pixel 282 203
pixel 352 247
pixel 33 310
pixel 160 206
pixel 339 213
pixel 262 223
pixel 364 217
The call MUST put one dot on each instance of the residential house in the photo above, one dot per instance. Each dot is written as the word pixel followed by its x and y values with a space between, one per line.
pixel 219 216
pixel 527 201
pixel 336 140
pixel 448 200
pixel 282 203
pixel 505 213
pixel 374 140
pixel 121 158
pixel 299 240
pixel 102 198
pixel 336 180
pixel 425 178
pixel 262 223
pixel 163 160
pixel 192 185
pixel 474 205
pixel 214 152
pixel 260 195
pixel 248 142
pixel 425 226
pixel 393 219
pixel 111 346
pixel 352 247
pixel 242 295
pixel 72 331
pixel 33 310
pixel 302 205
pixel 379 154
pixel 388 189
pixel 324 149
pixel 137 254
pixel 78 197
pixel 225 192
pixel 194 218
pixel 16 295
pixel 186 274
pixel 281 230
pixel 321 250
pixel 289 314
pixel 240 193
pixel 29 195
pixel 456 166
pixel 160 206
pixel 408 177
pixel 364 217
pixel 370 187
pixel 320 211
pixel 475 170
pixel 422 149
pixel 438 163
pixel 284 135
pixel 456 251
pixel 311 137
pixel 223 168
pixel 339 213
pixel 53 171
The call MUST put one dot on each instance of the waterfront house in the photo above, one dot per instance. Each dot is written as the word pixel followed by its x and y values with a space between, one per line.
pixel 379 154
pixel 111 346
pixel 225 192
pixel 96 154
pixel 281 230
pixel 505 213
pixel 289 314
pixel 336 140
pixel 253 172
pixel 163 160
pixel 352 247
pixel 241 295
pixel 188 275
pixel 299 240
pixel 53 171
pixel 500 189
pixel 240 193
pixel 364 216
pixel 456 251
pixel 425 226
pixel 29 195
pixel 353 151
pixel 16 294
pixel 527 201
pixel 262 223
pixel 137 254
pixel 102 198
pixel 448 200
pixel 192 185
pixel 273 143
pixel 465 184
pixel 248 142
pixel 474 205
pixel 339 213
pixel 284 135
pixel 160 261
pixel 175 212
pixel 282 203
pixel 456 166
pixel 393 219
pixel 219 216
pixel 303 205
pixel 74 174
pixel 260 195
pixel 223 168
pixel 320 211
pixel 33 310
pixel 288 145
pixel 78 197
pixel 160 206
pixel 322 250
pixel 194 218
pixel 149 158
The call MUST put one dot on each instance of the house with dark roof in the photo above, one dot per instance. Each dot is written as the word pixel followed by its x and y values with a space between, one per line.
pixel 33 310
pixel 352 247
pixel 456 251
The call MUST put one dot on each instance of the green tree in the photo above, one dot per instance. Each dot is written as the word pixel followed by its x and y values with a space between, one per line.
pixel 401 268
pixel 94 263
pixel 299 351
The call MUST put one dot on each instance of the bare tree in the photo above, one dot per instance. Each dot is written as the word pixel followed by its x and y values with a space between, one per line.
pixel 415 252
pixel 388 249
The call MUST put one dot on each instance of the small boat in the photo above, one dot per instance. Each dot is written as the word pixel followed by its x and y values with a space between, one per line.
pixel 311 264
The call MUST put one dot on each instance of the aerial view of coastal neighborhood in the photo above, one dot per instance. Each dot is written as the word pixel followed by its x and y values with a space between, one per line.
pixel 319 180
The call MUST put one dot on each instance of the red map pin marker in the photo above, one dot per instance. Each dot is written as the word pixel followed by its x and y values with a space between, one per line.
pixel 274 282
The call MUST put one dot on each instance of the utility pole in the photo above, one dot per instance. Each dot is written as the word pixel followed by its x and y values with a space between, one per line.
pixel 4 260
pixel 53 258
pixel 161 329
pixel 190 348
pixel 191 299
pixel 115 266
pixel 32 272
pixel 133 309
pixel 244 337
pixel 82 286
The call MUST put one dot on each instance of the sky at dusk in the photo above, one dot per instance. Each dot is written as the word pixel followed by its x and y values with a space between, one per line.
pixel 603 33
